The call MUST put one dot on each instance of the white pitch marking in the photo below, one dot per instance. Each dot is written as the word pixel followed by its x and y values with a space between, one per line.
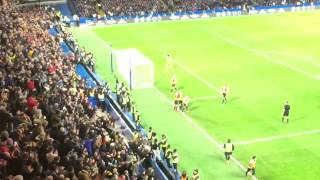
pixel 99 39
pixel 186 116
pixel 256 52
pixel 195 75
pixel 175 62
pixel 308 59
pixel 266 139
pixel 202 131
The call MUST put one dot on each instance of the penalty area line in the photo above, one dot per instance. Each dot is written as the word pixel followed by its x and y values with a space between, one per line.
pixel 203 132
pixel 264 55
pixel 288 54
pixel 211 86
pixel 266 139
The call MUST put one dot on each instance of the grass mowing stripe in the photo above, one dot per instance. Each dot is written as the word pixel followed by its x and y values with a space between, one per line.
pixel 266 139
pixel 211 139
pixel 256 52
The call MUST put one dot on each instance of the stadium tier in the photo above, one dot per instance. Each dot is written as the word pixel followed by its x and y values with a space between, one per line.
pixel 50 125
pixel 141 7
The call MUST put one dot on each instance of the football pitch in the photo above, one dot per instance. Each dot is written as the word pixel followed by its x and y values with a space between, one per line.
pixel 265 60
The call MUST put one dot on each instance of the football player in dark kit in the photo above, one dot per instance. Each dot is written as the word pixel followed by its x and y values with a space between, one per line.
pixel 286 110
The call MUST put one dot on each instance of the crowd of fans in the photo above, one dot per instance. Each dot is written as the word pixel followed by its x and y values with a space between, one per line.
pixel 150 146
pixel 48 128
pixel 88 8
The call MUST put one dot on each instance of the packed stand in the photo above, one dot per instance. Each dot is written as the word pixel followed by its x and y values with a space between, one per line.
pixel 193 5
pixel 102 8
pixel 118 7
pixel 49 130
pixel 147 144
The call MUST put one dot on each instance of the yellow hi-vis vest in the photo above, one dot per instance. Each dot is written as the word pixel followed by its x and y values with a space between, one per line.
pixel 175 157
pixel 153 139
pixel 163 143
pixel 168 154
pixel 183 178
pixel 252 164
pixel 196 176
pixel 228 147
pixel 149 136
pixel 101 97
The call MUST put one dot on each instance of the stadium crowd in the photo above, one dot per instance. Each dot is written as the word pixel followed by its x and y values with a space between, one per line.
pixel 48 128
pixel 118 7
pixel 151 147
pixel 86 8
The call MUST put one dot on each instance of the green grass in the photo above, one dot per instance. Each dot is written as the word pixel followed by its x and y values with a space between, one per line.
pixel 264 59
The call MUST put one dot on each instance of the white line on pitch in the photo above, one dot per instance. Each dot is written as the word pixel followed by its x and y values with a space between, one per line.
pixel 256 52
pixel 277 137
pixel 202 131
pixel 186 116
pixel 307 59
pixel 204 98
pixel 99 39
pixel 175 62
pixel 195 75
